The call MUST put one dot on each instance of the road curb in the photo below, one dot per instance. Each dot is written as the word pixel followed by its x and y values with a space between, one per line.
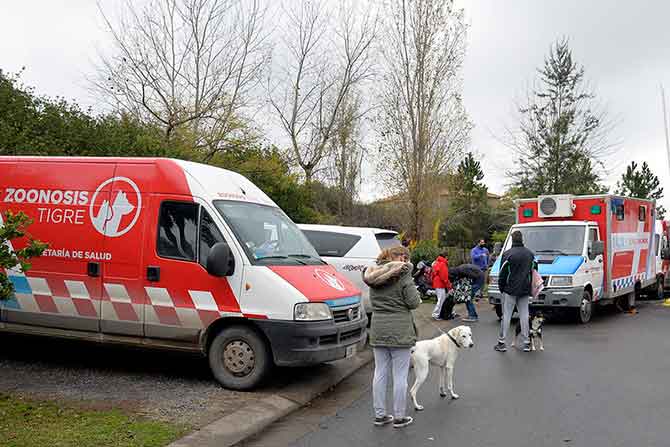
pixel 255 417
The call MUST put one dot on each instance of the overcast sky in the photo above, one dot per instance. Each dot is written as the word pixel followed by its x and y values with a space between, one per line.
pixel 624 47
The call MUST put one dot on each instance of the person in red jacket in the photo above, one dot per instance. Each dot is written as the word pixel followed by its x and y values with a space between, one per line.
pixel 441 282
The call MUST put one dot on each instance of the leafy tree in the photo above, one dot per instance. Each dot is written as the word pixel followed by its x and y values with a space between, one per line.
pixel 561 138
pixel 641 183
pixel 13 228
pixel 32 125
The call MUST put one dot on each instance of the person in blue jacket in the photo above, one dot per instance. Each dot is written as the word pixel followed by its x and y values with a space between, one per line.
pixel 481 258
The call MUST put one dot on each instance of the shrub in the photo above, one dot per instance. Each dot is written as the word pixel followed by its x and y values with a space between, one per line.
pixel 425 251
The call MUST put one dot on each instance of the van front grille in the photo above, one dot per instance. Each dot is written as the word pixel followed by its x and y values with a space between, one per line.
pixel 346 314
pixel 356 333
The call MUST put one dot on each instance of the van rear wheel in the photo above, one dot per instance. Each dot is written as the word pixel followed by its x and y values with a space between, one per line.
pixel 239 358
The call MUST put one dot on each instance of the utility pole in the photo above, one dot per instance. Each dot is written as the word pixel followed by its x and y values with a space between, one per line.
pixel 665 127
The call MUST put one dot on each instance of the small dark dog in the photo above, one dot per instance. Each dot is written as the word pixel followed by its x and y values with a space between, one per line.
pixel 535 323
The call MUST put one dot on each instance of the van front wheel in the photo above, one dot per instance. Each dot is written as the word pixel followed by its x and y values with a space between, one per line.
pixel 239 358
pixel 585 310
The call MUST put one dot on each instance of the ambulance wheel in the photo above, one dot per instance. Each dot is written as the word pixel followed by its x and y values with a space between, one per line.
pixel 585 310
pixel 239 358
pixel 499 311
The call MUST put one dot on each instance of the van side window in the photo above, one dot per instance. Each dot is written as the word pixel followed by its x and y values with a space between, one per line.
pixel 209 235
pixel 593 234
pixel 657 241
pixel 177 230
pixel 331 244
pixel 642 213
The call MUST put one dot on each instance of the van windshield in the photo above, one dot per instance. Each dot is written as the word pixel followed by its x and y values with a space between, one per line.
pixel 552 240
pixel 267 235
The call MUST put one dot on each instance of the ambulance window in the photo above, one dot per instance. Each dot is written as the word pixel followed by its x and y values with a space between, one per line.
pixel 593 234
pixel 209 235
pixel 619 211
pixel 177 230
pixel 642 213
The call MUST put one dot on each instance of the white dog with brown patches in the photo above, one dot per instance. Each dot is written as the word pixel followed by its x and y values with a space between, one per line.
pixel 443 352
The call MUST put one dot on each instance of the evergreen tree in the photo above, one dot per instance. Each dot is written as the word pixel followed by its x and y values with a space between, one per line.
pixel 469 212
pixel 642 184
pixel 561 139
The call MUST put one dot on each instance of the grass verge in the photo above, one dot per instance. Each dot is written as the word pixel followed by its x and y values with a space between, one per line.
pixel 26 423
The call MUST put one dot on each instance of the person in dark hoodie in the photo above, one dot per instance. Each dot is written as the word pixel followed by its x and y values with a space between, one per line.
pixel 393 295
pixel 514 281
pixel 473 275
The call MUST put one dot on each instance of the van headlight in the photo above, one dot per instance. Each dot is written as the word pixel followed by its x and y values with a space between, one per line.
pixel 561 281
pixel 312 312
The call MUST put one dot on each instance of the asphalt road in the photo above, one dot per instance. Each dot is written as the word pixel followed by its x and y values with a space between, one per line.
pixel 603 384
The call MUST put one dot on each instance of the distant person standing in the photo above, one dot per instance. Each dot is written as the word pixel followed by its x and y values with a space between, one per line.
pixel 441 283
pixel 480 255
pixel 515 283
pixel 481 258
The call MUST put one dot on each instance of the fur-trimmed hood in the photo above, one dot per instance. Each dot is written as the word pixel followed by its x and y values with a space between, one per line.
pixel 382 275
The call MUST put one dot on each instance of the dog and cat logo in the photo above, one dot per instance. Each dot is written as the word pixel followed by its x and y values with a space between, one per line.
pixel 118 217
pixel 112 214
pixel 329 279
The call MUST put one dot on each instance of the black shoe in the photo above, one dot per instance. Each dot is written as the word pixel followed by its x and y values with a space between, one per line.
pixel 500 347
pixel 403 422
pixel 526 347
pixel 384 420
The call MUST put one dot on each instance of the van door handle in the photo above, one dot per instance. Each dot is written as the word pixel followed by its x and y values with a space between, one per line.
pixel 93 269
pixel 153 273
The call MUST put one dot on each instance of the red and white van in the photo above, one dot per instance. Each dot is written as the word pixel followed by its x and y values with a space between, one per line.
pixel 590 250
pixel 173 254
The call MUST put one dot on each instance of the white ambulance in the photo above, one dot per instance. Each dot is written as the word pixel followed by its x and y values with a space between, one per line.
pixel 177 255
pixel 590 250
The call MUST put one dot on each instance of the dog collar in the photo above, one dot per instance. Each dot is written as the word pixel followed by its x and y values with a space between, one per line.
pixel 453 339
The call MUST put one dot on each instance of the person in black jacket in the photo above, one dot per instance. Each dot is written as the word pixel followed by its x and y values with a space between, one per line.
pixel 514 281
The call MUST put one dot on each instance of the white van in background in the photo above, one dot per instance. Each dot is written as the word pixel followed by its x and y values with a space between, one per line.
pixel 350 250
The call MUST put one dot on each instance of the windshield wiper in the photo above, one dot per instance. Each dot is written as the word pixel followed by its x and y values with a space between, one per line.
pixel 306 256
pixel 283 257
pixel 560 252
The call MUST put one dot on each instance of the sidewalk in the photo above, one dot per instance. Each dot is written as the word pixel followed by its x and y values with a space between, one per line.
pixel 257 414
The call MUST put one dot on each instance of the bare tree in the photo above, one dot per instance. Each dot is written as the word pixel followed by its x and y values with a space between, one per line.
pixel 423 124
pixel 323 62
pixel 186 64
pixel 346 153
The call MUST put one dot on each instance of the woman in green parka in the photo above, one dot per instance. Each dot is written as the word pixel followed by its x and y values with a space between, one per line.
pixel 392 333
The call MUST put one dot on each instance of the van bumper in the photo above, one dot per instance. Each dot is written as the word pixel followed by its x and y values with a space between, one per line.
pixel 549 297
pixel 307 343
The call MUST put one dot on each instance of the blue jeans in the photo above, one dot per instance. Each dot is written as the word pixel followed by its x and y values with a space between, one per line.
pixel 472 310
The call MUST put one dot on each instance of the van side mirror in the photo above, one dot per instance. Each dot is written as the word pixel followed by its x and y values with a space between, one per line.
pixel 665 254
pixel 596 248
pixel 220 260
